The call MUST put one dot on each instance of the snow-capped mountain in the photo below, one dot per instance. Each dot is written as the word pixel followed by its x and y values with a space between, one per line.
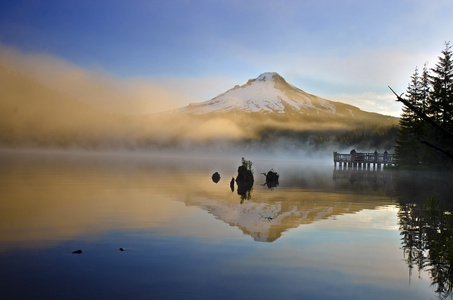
pixel 271 93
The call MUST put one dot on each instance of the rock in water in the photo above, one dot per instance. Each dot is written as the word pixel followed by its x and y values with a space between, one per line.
pixel 216 177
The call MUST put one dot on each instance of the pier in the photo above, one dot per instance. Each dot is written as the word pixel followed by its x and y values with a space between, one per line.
pixel 363 160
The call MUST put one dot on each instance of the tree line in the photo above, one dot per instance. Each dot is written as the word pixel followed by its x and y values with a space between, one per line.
pixel 430 102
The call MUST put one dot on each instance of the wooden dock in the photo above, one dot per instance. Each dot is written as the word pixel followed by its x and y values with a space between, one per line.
pixel 363 160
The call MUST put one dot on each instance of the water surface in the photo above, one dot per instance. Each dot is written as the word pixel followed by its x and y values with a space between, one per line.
pixel 321 233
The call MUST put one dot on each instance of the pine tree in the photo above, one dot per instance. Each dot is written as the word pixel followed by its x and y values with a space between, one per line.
pixel 441 97
pixel 407 148
pixel 425 88
pixel 432 94
pixel 426 131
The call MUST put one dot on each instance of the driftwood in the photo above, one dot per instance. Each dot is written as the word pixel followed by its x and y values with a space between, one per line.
pixel 430 121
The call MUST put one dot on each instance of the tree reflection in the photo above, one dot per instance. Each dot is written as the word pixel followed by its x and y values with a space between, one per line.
pixel 427 236
pixel 246 194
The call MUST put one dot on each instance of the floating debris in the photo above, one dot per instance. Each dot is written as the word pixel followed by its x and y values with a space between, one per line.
pixel 77 251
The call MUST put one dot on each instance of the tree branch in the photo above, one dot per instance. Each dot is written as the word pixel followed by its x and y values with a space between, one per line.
pixel 430 121
pixel 442 150
pixel 422 115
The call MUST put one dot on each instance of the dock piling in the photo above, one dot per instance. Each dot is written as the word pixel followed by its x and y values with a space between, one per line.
pixel 363 160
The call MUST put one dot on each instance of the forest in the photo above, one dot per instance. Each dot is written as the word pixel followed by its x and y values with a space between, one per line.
pixel 426 123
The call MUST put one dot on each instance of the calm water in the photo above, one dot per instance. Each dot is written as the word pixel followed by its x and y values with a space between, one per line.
pixel 321 234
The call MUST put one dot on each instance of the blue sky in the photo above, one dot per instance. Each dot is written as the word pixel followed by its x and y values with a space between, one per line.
pixel 347 51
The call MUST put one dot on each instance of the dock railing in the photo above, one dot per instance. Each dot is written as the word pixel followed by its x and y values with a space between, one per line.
pixel 362 160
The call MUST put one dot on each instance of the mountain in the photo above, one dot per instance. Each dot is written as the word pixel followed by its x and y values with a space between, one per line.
pixel 271 113
pixel 270 93
pixel 265 112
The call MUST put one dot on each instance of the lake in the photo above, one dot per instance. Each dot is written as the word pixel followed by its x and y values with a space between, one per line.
pixel 322 233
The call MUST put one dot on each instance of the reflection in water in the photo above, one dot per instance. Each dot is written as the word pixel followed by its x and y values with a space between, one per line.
pixel 304 198
pixel 186 237
pixel 245 192
pixel 424 214
pixel 427 242
pixel 51 199
pixel 425 222
pixel 362 179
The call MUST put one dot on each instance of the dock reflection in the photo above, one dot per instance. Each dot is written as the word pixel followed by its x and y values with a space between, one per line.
pixel 362 179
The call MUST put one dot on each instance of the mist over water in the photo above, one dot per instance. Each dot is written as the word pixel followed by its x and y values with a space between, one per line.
pixel 48 103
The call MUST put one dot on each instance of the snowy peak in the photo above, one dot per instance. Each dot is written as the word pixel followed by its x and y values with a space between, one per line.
pixel 270 76
pixel 268 93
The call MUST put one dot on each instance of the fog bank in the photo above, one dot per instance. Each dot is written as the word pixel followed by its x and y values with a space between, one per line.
pixel 46 102
pixel 95 87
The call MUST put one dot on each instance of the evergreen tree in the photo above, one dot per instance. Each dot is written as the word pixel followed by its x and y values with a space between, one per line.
pixel 432 94
pixel 425 89
pixel 441 96
pixel 441 102
pixel 407 148
pixel 426 130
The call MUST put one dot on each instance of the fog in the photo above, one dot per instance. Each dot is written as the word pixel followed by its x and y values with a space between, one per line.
pixel 46 102
pixel 100 89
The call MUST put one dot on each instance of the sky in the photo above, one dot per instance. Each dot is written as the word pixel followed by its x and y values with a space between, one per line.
pixel 348 51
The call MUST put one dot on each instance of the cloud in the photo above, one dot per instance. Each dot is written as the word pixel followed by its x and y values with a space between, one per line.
pixel 48 101
pixel 371 102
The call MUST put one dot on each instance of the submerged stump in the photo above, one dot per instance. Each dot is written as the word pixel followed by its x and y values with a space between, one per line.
pixel 271 179
pixel 245 179
pixel 232 184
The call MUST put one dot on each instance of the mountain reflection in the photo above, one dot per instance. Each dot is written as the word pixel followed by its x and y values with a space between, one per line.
pixel 425 222
pixel 307 196
pixel 47 200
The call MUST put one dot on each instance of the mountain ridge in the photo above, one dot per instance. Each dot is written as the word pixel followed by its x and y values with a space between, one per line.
pixel 37 115
pixel 270 93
